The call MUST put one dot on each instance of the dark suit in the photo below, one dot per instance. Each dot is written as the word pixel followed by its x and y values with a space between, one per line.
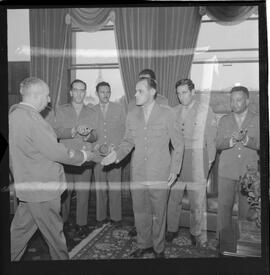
pixel 78 178
pixel 232 165
pixel 110 130
pixel 35 157
pixel 152 164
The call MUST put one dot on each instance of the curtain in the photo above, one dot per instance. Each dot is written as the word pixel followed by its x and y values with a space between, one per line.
pixel 159 38
pixel 50 42
pixel 91 19
pixel 228 15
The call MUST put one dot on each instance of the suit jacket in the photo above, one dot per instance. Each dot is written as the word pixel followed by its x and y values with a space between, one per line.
pixel 234 160
pixel 66 118
pixel 35 156
pixel 152 160
pixel 199 130
pixel 111 128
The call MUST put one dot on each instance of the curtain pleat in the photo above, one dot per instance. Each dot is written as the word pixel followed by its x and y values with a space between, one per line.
pixel 161 39
pixel 50 41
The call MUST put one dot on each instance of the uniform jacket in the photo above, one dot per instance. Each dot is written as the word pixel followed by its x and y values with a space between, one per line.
pixel 152 160
pixel 35 156
pixel 66 118
pixel 233 160
pixel 199 130
pixel 111 129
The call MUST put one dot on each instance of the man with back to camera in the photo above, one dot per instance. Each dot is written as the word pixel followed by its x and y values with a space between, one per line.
pixel 110 130
pixel 74 125
pixel 39 179
pixel 198 125
pixel 238 142
pixel 150 128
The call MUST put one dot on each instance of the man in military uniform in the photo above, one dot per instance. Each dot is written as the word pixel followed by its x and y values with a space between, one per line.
pixel 74 123
pixel 110 130
pixel 160 99
pixel 198 125
pixel 238 141
pixel 149 130
pixel 39 179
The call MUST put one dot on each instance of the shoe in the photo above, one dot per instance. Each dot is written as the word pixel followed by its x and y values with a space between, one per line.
pixel 193 240
pixel 132 232
pixel 116 224
pixel 141 251
pixel 82 231
pixel 160 255
pixel 170 236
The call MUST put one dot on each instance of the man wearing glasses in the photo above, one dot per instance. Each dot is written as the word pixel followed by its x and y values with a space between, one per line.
pixel 74 125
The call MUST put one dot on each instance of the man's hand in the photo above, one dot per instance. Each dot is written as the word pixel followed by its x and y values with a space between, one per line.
pixel 111 158
pixel 171 179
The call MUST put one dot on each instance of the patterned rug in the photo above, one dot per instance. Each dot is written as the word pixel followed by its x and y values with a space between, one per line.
pixel 108 242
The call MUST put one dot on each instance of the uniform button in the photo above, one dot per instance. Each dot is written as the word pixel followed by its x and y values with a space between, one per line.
pixel 105 130
pixel 145 138
pixel 145 128
pixel 239 156
pixel 145 148
pixel 145 158
pixel 105 136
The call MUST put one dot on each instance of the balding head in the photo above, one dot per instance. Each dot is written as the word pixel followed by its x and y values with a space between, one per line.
pixel 35 92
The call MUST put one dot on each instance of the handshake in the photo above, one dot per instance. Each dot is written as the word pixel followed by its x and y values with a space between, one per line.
pixel 88 134
pixel 240 136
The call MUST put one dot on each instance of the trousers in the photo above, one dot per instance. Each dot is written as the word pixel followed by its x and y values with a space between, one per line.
pixel 108 188
pixel 44 216
pixel 197 201
pixel 78 179
pixel 150 207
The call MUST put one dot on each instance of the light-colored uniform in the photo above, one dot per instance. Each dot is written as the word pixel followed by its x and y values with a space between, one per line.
pixel 110 130
pixel 152 164
pixel 78 178
pixel 199 129
pixel 39 180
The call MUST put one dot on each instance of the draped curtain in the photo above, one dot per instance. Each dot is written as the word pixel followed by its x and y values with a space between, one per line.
pixel 228 15
pixel 91 19
pixel 160 38
pixel 50 41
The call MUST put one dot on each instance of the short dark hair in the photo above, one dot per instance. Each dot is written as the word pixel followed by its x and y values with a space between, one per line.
pixel 77 81
pixel 185 81
pixel 240 89
pixel 150 82
pixel 101 84
pixel 148 71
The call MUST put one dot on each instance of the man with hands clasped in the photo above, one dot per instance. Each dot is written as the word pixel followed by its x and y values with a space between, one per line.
pixel 149 129
pixel 74 125
pixel 238 143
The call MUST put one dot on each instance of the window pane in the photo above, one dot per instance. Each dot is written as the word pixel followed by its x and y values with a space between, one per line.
pixel 96 47
pixel 220 77
pixel 93 76
pixel 215 36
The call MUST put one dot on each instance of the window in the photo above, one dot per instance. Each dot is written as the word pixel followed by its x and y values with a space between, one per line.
pixel 96 60
pixel 226 55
